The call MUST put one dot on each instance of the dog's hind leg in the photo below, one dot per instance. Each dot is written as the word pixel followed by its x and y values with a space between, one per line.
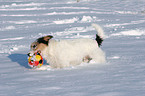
pixel 98 56
pixel 87 59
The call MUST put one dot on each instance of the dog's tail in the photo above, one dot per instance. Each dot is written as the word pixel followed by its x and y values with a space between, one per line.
pixel 100 36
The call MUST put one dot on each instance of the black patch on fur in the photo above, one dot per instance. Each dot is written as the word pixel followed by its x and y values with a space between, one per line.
pixel 99 40
pixel 41 40
pixel 44 40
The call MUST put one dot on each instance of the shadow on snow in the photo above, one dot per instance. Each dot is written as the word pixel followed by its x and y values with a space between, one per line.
pixel 20 59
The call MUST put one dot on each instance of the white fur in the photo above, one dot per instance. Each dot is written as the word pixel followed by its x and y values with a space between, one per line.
pixel 65 53
pixel 99 30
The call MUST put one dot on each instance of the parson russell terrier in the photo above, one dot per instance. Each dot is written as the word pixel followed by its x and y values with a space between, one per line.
pixel 65 53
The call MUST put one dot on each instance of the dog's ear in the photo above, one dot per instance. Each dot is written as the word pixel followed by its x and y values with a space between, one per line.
pixel 47 38
pixel 44 39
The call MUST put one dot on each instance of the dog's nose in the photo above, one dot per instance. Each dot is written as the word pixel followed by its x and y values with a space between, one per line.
pixel 31 53
pixel 28 54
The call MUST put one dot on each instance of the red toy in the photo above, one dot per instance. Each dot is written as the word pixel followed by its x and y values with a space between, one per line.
pixel 35 60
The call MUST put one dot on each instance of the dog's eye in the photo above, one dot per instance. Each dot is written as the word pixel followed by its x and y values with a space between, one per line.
pixel 34 46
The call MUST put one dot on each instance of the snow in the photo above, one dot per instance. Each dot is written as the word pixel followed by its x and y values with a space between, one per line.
pixel 16 38
pixel 23 21
pixel 65 21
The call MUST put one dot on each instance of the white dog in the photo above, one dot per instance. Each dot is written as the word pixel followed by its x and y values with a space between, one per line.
pixel 65 53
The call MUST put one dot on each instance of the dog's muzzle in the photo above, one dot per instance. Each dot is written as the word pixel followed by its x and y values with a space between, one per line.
pixel 31 53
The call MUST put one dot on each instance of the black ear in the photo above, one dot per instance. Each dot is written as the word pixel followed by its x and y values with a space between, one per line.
pixel 44 39
pixel 47 38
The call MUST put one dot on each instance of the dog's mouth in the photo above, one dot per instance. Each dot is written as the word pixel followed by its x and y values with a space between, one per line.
pixel 33 53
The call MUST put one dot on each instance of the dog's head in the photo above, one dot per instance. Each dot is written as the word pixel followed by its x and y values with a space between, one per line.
pixel 40 44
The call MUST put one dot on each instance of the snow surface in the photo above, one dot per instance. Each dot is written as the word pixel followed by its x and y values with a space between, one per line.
pixel 22 21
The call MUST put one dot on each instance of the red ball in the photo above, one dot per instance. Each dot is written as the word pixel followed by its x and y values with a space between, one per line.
pixel 35 61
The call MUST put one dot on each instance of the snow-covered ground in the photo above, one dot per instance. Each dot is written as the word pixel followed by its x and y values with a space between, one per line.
pixel 22 21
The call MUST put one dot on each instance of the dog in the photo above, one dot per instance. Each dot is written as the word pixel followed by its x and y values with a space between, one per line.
pixel 66 53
